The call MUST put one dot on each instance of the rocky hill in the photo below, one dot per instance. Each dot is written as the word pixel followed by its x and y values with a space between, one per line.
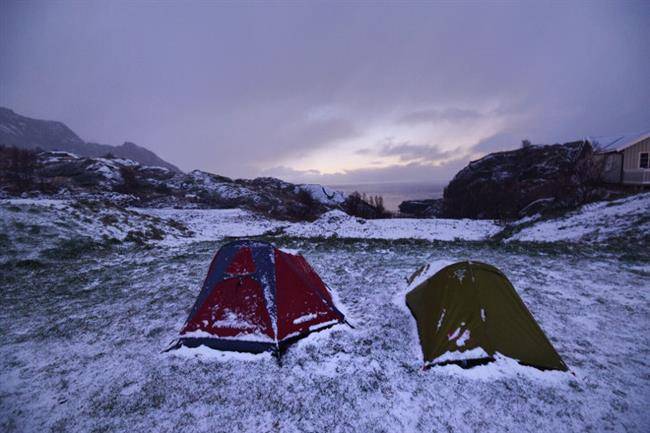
pixel 126 182
pixel 27 133
pixel 512 184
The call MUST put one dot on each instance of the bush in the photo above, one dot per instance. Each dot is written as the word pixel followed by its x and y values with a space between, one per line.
pixel 307 207
pixel 130 184
pixel 362 206
pixel 17 167
pixel 109 219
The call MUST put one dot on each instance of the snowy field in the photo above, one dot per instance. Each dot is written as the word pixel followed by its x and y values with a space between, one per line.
pixel 85 314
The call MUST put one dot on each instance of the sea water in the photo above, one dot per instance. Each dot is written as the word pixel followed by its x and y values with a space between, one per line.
pixel 395 192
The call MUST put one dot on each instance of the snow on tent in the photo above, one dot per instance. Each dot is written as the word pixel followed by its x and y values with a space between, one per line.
pixel 257 298
pixel 468 312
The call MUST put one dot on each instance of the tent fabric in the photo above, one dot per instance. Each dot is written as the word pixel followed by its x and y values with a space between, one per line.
pixel 469 311
pixel 258 298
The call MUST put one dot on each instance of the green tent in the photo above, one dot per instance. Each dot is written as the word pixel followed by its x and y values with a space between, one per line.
pixel 469 311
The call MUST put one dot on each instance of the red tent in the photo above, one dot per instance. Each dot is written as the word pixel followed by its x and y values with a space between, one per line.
pixel 258 298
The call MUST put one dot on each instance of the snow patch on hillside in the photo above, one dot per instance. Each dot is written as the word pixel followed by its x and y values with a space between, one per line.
pixel 64 220
pixel 596 222
pixel 323 194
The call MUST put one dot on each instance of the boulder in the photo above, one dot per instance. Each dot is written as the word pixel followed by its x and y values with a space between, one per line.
pixel 422 208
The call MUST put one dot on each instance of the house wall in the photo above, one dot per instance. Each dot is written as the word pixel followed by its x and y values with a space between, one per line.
pixel 612 164
pixel 632 173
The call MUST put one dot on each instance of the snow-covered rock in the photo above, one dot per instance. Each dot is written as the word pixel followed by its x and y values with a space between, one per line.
pixel 63 174
pixel 324 194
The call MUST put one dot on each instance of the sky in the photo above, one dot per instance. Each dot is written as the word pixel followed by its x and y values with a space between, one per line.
pixel 329 92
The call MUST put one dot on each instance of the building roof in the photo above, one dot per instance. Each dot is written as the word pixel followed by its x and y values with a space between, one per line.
pixel 617 143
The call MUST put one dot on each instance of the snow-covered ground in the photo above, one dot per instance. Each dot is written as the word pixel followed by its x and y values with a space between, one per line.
pixel 27 222
pixel 83 329
pixel 213 224
pixel 596 222
pixel 338 224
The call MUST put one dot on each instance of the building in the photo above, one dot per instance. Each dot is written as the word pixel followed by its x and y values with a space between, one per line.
pixel 626 158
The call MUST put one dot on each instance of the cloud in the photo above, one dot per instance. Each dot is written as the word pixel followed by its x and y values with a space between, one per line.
pixel 497 142
pixel 407 152
pixel 414 171
pixel 237 90
pixel 438 115
pixel 313 134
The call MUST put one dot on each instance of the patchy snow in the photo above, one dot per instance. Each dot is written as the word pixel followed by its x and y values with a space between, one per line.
pixel 454 334
pixel 462 338
pixel 61 154
pixel 215 224
pixel 597 222
pixel 225 188
pixel 293 252
pixel 304 318
pixel 231 319
pixel 460 274
pixel 457 355
pixel 211 224
pixel 425 272
pixel 318 326
pixel 83 333
pixel 243 336
pixel 324 194
pixel 505 368
pixel 74 220
pixel 207 354
pixel 441 318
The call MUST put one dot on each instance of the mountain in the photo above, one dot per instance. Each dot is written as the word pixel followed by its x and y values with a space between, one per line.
pixel 27 133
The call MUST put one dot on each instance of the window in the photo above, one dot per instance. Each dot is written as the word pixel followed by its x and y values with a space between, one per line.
pixel 643 160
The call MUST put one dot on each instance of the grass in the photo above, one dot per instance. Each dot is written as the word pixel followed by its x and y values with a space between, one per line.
pixel 70 249
pixel 30 264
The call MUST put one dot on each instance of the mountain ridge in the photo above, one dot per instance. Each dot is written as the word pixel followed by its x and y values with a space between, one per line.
pixel 29 133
